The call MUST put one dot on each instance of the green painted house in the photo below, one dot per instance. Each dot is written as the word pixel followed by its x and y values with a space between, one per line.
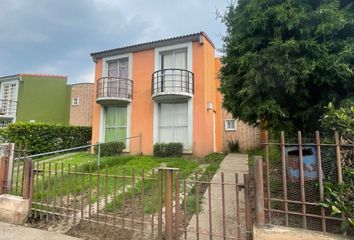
pixel 34 98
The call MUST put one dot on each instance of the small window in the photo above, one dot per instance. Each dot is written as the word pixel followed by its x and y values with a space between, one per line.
pixel 230 125
pixel 76 101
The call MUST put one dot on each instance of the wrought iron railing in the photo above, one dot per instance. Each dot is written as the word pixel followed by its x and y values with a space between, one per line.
pixel 172 80
pixel 8 108
pixel 115 88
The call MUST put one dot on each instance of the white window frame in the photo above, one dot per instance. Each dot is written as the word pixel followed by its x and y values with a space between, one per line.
pixel 76 101
pixel 103 121
pixel 158 51
pixel 230 129
pixel 157 66
pixel 106 60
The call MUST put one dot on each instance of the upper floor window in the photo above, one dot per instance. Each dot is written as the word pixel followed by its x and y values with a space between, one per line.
pixel 118 68
pixel 76 101
pixel 174 59
pixel 230 125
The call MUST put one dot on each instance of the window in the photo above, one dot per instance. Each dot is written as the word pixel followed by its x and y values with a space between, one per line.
pixel 4 123
pixel 174 80
pixel 118 73
pixel 230 125
pixel 8 96
pixel 173 123
pixel 76 101
pixel 115 124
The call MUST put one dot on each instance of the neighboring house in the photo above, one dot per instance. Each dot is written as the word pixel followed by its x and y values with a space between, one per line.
pixel 247 136
pixel 81 104
pixel 34 98
pixel 167 90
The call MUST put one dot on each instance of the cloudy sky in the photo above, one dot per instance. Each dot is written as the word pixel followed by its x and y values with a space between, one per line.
pixel 57 36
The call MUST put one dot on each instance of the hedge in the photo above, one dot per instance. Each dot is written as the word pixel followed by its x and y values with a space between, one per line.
pixel 44 137
pixel 110 149
pixel 168 149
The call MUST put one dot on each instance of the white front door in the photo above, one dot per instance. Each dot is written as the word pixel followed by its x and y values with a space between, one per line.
pixel 173 123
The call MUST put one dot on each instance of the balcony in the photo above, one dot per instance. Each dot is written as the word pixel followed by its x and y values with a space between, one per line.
pixel 172 84
pixel 8 108
pixel 114 90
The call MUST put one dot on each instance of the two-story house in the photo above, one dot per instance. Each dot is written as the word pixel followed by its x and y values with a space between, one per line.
pixel 34 98
pixel 166 90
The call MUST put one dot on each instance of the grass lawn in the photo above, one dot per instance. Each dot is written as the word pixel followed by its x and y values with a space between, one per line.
pixel 51 187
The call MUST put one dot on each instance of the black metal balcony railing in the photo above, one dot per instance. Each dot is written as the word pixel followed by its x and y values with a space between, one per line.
pixel 172 81
pixel 8 108
pixel 115 88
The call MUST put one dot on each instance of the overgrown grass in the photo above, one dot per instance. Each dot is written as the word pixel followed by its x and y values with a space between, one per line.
pixel 143 194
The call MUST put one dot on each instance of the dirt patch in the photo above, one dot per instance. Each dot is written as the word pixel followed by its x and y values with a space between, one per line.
pixel 90 231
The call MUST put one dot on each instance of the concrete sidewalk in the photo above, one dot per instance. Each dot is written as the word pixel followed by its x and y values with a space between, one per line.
pixel 14 232
pixel 233 163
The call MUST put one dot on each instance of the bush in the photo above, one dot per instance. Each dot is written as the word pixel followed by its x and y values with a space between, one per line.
pixel 44 137
pixel 234 145
pixel 339 198
pixel 110 149
pixel 168 149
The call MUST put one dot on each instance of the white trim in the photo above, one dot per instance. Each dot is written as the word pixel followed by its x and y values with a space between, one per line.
pixel 190 124
pixel 156 122
pixel 189 47
pixel 77 102
pixel 187 149
pixel 129 111
pixel 117 57
pixel 103 120
pixel 214 131
pixel 10 81
pixel 230 129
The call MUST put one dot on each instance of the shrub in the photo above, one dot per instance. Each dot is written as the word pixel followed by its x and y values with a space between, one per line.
pixel 168 149
pixel 110 149
pixel 339 198
pixel 44 137
pixel 234 145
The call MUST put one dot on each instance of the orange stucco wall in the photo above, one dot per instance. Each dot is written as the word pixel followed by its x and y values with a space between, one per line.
pixel 206 82
pixel 95 107
pixel 218 104
pixel 142 115
pixel 205 67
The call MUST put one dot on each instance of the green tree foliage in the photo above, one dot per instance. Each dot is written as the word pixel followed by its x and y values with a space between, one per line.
pixel 285 60
pixel 341 120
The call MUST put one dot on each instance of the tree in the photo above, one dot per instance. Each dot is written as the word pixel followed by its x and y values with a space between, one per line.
pixel 284 60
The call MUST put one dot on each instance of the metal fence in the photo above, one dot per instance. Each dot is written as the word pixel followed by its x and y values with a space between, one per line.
pixel 144 205
pixel 12 163
pixel 296 170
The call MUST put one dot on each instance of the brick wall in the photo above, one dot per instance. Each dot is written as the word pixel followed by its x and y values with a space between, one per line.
pixel 248 136
pixel 81 114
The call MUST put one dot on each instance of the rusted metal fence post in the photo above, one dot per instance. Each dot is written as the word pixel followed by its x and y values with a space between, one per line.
pixel 27 172
pixel 159 200
pixel 3 173
pixel 169 228
pixel 249 229
pixel 259 191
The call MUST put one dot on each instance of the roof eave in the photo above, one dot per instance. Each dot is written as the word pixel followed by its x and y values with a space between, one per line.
pixel 151 45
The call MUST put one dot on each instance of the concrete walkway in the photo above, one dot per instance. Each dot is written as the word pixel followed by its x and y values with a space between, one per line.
pixel 14 232
pixel 233 163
